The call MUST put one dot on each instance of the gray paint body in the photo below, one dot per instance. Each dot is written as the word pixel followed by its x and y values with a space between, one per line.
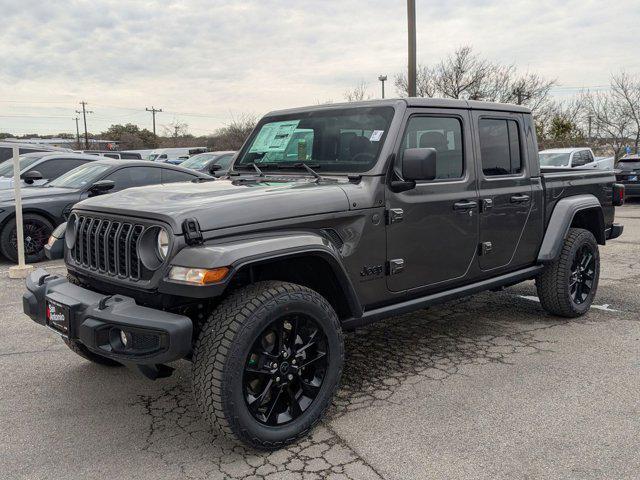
pixel 250 220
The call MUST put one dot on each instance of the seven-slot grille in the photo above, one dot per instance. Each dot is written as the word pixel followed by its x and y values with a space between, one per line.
pixel 108 246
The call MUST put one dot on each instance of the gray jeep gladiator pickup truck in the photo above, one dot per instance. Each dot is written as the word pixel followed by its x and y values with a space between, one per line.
pixel 332 217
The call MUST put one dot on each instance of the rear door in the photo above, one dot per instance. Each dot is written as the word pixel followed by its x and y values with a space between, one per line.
pixel 505 187
pixel 432 229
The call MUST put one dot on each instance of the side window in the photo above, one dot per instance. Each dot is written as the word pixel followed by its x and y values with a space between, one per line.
pixel 500 147
pixel 588 156
pixel 135 177
pixel 224 161
pixel 172 176
pixel 444 134
pixel 52 169
pixel 112 155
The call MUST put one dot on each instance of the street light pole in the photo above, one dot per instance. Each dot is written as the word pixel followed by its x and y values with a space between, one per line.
pixel 411 24
pixel 382 78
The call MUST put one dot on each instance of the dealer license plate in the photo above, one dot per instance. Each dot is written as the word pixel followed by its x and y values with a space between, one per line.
pixel 58 317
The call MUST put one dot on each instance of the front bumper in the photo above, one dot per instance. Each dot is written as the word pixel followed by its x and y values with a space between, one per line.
pixel 95 320
pixel 631 189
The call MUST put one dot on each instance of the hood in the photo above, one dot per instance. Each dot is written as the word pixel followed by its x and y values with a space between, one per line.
pixel 34 193
pixel 223 203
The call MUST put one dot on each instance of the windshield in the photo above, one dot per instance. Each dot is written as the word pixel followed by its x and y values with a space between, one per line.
pixel 80 176
pixel 338 140
pixel 6 168
pixel 153 156
pixel 198 161
pixel 630 164
pixel 554 159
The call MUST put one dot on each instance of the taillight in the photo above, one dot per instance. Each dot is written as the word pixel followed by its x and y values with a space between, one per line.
pixel 618 194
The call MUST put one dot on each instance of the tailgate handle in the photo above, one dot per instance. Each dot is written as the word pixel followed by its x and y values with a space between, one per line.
pixel 465 205
pixel 520 198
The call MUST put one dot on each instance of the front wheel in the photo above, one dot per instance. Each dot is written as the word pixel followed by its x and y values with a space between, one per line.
pixel 567 286
pixel 36 232
pixel 267 363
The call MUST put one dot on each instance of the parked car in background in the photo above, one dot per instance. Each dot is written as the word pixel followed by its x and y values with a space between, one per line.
pixel 40 167
pixel 213 163
pixel 144 154
pixel 628 173
pixel 113 154
pixel 173 154
pixel 574 158
pixel 6 149
pixel 47 206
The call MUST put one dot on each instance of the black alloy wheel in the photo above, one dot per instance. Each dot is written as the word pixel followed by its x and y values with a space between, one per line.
pixel 285 369
pixel 582 274
pixel 36 234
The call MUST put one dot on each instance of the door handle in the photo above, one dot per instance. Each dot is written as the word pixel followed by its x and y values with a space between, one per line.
pixel 520 198
pixel 465 205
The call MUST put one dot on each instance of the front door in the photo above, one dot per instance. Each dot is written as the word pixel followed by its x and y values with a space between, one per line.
pixel 506 192
pixel 432 230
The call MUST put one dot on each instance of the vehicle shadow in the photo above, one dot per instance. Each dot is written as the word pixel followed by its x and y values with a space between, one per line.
pixel 428 345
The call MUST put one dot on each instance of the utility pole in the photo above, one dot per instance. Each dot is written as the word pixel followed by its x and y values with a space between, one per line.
pixel 590 119
pixel 153 111
pixel 382 78
pixel 84 116
pixel 411 24
pixel 77 133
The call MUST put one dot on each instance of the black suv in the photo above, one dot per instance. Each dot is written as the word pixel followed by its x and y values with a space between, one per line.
pixel 332 217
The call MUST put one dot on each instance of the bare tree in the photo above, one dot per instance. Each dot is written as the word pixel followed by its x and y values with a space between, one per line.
pixel 425 82
pixel 612 122
pixel 358 93
pixel 234 134
pixel 625 91
pixel 466 75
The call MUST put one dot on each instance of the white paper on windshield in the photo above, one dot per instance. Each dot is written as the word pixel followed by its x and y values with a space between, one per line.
pixel 274 137
pixel 376 135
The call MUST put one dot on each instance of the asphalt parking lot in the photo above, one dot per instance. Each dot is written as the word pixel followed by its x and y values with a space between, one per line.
pixel 486 387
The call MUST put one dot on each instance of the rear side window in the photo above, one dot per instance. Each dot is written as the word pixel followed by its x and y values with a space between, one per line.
pixel 500 147
pixel 444 134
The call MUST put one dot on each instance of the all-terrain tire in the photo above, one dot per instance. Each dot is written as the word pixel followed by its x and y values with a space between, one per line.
pixel 81 350
pixel 42 228
pixel 554 283
pixel 221 351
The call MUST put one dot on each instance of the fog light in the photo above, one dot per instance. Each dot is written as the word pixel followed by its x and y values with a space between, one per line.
pixel 125 338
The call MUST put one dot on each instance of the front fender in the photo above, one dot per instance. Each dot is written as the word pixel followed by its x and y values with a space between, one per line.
pixel 560 222
pixel 240 252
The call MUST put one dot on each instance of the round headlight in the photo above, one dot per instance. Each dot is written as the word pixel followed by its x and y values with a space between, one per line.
pixel 163 244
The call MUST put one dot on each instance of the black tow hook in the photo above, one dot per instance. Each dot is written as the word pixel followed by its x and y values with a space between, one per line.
pixel 102 304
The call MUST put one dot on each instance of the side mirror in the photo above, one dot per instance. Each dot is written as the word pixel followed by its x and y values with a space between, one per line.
pixel 214 167
pixel 31 176
pixel 101 186
pixel 419 164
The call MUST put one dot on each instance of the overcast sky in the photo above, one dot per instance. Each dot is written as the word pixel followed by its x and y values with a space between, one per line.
pixel 206 61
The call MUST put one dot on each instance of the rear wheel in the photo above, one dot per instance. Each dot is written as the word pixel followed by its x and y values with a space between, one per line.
pixel 568 286
pixel 267 363
pixel 37 230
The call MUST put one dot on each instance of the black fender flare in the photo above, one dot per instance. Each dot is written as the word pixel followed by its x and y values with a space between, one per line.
pixel 560 222
pixel 237 253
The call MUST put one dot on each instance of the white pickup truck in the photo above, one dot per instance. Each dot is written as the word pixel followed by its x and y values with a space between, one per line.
pixel 574 158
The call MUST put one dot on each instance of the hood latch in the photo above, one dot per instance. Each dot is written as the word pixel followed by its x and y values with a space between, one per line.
pixel 192 233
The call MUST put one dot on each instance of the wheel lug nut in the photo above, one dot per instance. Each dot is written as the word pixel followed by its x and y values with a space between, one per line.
pixel 293 362
pixel 274 365
pixel 290 377
pixel 277 379
pixel 285 354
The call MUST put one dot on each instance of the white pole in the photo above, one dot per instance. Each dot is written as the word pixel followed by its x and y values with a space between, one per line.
pixel 21 270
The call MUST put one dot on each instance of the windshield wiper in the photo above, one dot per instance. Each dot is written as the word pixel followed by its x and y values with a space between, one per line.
pixel 305 166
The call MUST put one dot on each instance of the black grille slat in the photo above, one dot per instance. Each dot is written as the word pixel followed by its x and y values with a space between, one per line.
pixel 109 247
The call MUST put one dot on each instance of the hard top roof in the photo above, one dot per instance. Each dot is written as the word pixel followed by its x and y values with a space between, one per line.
pixel 564 150
pixel 413 102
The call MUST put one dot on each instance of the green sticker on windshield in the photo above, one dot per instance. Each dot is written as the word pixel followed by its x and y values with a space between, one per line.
pixel 274 137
